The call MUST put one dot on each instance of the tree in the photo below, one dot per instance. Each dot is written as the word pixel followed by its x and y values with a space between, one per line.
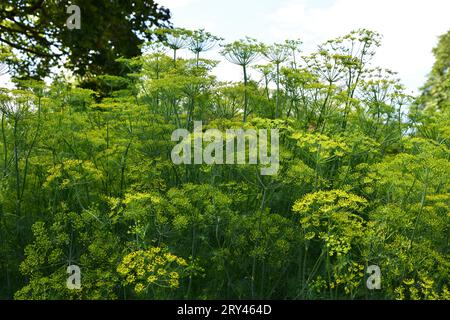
pixel 431 111
pixel 37 30
pixel 5 54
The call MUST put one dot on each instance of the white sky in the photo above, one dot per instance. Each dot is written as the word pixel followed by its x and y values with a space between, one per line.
pixel 409 27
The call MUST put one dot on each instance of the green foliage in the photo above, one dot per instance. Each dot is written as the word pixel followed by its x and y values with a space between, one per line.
pixel 87 179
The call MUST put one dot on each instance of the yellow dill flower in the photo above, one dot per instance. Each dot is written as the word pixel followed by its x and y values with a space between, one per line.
pixel 139 288
pixel 310 235
pixel 173 283
pixel 181 262
pixel 161 272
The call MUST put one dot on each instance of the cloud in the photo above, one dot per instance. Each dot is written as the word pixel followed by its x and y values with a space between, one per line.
pixel 409 27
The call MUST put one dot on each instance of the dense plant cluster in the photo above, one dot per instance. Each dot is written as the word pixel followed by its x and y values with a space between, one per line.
pixel 87 179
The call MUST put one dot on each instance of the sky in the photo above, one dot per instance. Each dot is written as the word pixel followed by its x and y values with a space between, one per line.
pixel 410 28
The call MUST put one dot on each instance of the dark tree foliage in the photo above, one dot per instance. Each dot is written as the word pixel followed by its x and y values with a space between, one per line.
pixel 437 87
pixel 433 105
pixel 109 29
